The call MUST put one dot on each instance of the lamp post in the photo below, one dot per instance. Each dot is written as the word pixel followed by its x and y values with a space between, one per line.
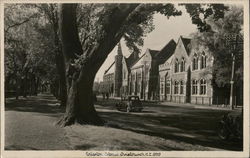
pixel 232 43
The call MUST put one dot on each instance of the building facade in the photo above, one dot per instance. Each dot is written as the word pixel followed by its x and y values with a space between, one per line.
pixel 180 72
pixel 116 77
pixel 186 77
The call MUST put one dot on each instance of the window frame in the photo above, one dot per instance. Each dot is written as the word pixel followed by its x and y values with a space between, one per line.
pixel 176 66
pixel 181 87
pixel 194 87
pixel 183 62
pixel 176 87
pixel 203 87
pixel 195 62
pixel 168 87
pixel 203 63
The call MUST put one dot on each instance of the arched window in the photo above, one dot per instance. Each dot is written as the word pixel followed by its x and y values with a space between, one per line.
pixel 182 64
pixel 181 87
pixel 167 87
pixel 176 87
pixel 194 86
pixel 162 88
pixel 195 62
pixel 203 60
pixel 203 87
pixel 176 66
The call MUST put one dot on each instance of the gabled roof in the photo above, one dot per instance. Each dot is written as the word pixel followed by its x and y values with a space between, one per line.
pixel 153 53
pixel 131 60
pixel 166 52
pixel 187 44
pixel 138 60
pixel 109 68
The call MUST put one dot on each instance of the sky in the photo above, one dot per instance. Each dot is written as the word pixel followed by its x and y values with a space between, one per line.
pixel 165 30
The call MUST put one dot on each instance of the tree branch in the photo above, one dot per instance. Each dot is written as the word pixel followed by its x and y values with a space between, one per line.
pixel 19 23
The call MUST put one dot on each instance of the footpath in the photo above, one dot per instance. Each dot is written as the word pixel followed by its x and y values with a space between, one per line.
pixel 188 105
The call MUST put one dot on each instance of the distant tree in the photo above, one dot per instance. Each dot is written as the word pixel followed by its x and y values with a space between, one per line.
pixel 111 22
pixel 214 40
pixel 50 12
pixel 28 47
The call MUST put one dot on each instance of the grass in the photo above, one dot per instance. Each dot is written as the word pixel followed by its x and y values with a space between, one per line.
pixel 30 126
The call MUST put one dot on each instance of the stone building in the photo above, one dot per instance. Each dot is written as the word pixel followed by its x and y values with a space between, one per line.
pixel 144 75
pixel 180 72
pixel 186 76
pixel 116 77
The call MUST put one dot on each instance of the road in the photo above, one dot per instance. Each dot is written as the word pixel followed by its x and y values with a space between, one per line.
pixel 179 123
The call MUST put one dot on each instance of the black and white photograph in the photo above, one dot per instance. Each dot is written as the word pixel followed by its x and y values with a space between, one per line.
pixel 125 79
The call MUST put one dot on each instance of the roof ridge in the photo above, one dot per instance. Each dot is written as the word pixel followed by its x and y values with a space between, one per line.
pixel 109 68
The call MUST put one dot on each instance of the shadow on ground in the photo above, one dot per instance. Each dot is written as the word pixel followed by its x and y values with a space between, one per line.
pixel 45 104
pixel 184 124
pixel 176 123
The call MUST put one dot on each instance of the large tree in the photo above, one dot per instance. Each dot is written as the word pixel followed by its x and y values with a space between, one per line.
pixel 111 23
pixel 215 41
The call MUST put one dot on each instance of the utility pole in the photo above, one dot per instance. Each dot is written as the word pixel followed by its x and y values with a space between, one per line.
pixel 232 43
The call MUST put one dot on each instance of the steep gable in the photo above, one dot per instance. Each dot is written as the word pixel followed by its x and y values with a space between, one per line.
pixel 153 53
pixel 183 47
pixel 166 52
pixel 187 44
pixel 133 57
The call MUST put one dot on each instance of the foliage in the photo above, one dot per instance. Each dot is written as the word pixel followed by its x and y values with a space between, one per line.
pixel 214 40
pixel 200 12
pixel 29 38
pixel 28 43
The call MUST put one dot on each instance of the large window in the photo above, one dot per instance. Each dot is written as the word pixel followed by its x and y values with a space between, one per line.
pixel 181 87
pixel 195 62
pixel 194 87
pixel 133 76
pixel 167 87
pixel 203 87
pixel 203 61
pixel 176 66
pixel 176 87
pixel 162 88
pixel 182 65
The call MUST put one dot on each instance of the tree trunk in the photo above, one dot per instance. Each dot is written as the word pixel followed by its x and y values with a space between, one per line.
pixel 62 91
pixel 60 68
pixel 80 106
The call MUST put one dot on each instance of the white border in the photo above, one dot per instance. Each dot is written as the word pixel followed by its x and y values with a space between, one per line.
pixel 76 153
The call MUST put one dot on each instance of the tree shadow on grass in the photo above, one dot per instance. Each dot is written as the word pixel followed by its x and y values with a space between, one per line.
pixel 40 104
pixel 193 126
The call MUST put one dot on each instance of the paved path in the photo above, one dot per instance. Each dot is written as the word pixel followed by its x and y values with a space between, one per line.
pixel 29 124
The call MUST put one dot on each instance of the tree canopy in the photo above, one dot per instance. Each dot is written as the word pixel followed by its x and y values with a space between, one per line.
pixel 215 41
pixel 66 44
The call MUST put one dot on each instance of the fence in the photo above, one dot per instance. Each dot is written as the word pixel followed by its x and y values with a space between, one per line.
pixel 203 100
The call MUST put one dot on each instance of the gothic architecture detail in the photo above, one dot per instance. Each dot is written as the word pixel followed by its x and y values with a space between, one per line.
pixel 179 72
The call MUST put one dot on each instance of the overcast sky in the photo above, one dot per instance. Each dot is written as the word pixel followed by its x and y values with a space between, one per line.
pixel 165 30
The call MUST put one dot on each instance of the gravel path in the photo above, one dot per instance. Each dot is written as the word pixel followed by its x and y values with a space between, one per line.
pixel 30 125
